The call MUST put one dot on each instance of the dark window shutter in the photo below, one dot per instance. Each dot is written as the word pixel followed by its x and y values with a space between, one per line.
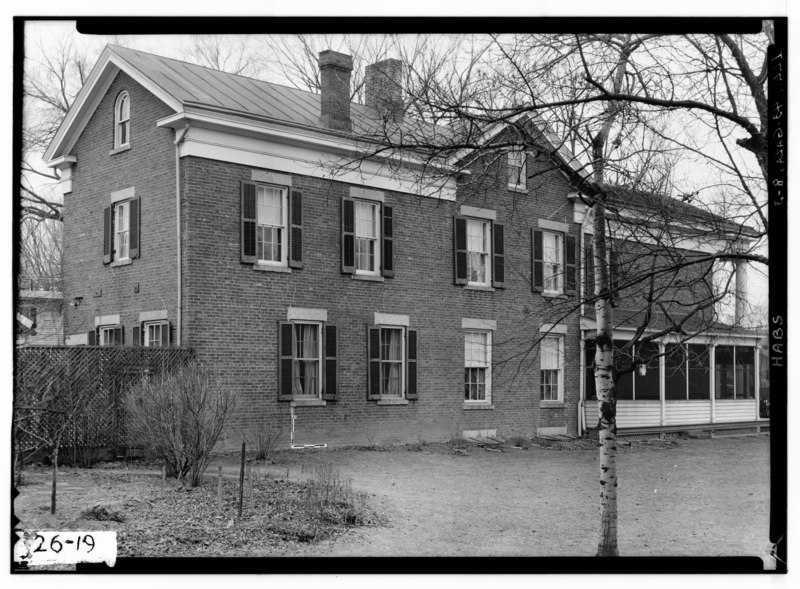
pixel 249 222
pixel 108 235
pixel 296 230
pixel 91 338
pixel 136 336
pixel 331 391
pixel 348 236
pixel 373 362
pixel 459 250
pixel 588 266
pixel 134 228
pixel 411 363
pixel 537 260
pixel 499 256
pixel 570 265
pixel 285 357
pixel 166 332
pixel 387 267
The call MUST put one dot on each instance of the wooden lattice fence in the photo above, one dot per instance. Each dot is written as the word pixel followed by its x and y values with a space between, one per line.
pixel 49 379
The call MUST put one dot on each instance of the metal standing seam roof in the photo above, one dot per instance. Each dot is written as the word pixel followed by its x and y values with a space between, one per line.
pixel 196 85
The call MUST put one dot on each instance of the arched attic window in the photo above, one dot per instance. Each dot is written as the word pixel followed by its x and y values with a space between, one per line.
pixel 122 116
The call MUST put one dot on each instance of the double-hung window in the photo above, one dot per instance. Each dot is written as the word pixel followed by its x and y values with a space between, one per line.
pixel 156 334
pixel 391 355
pixel 478 250
pixel 392 366
pixel 553 246
pixel 477 366
pixel 367 235
pixel 516 170
pixel 122 119
pixel 554 257
pixel 271 225
pixel 121 228
pixel 367 243
pixel 551 352
pixel 109 335
pixel 307 361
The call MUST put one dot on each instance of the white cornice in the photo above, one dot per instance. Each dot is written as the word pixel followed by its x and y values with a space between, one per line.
pixel 279 132
pixel 269 153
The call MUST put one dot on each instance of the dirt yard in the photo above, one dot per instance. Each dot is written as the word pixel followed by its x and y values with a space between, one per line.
pixel 698 497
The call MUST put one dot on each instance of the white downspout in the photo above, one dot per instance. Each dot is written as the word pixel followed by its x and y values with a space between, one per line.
pixel 180 136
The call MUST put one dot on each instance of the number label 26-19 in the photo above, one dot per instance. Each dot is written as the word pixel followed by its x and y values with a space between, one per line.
pixel 40 548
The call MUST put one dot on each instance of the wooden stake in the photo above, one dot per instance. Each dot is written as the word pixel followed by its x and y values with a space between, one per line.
pixel 219 489
pixel 241 481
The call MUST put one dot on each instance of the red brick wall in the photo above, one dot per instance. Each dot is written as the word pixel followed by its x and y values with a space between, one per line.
pixel 149 167
pixel 231 311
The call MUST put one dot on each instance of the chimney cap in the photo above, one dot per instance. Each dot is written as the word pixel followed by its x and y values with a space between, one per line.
pixel 332 58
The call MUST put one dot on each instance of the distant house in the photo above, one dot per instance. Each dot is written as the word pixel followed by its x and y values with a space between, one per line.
pixel 358 303
pixel 39 317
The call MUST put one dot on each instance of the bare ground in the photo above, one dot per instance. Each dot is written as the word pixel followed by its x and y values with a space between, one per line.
pixel 696 498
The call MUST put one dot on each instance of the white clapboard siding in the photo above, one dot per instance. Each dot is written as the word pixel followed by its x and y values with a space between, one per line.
pixel 687 412
pixel 734 410
pixel 629 413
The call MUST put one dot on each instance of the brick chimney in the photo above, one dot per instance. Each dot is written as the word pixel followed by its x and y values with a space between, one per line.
pixel 334 70
pixel 384 88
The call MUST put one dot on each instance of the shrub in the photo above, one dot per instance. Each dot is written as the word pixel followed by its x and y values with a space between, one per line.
pixel 265 439
pixel 179 417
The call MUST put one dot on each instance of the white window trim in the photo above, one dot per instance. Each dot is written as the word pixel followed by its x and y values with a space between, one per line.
pixel 488 366
pixel 377 206
pixel 489 253
pixel 101 329
pixel 284 261
pixel 562 275
pixel 403 360
pixel 561 370
pixel 320 360
pixel 146 332
pixel 119 121
pixel 513 164
pixel 115 211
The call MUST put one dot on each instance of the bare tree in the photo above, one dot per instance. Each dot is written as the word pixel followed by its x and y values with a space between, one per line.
pixel 634 111
pixel 242 55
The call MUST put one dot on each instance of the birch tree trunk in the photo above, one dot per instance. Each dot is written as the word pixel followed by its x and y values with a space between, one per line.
pixel 604 312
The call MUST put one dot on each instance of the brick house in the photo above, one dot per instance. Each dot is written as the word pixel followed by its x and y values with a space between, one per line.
pixel 364 301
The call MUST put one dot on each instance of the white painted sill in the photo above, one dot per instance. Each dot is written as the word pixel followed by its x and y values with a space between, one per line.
pixel 267 268
pixel 367 277
pixel 392 401
pixel 117 263
pixel 518 189
pixel 308 403
pixel 120 149
pixel 479 287
pixel 477 406
pixel 553 295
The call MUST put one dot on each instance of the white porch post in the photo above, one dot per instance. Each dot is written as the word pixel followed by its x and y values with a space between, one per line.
pixel 712 376
pixel 757 369
pixel 662 371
